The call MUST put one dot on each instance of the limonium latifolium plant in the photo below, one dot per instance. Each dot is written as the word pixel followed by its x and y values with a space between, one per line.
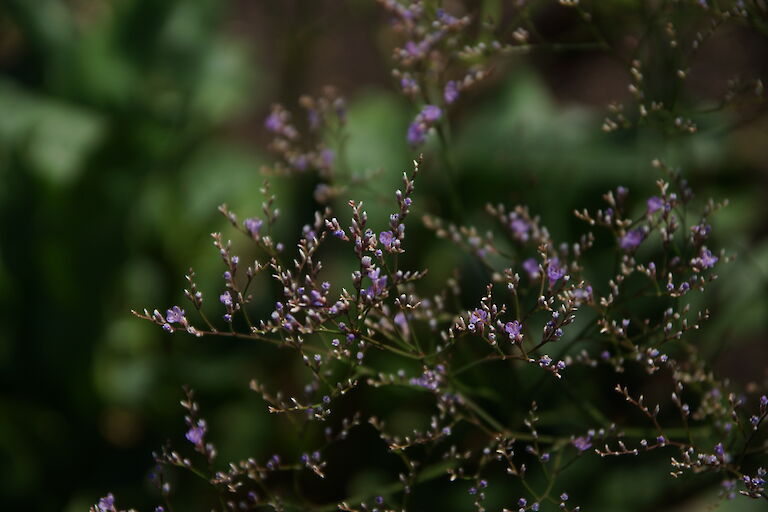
pixel 545 317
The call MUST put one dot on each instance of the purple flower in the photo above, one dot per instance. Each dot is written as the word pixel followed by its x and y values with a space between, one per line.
pixel 632 239
pixel 386 238
pixel 417 133
pixel 408 84
pixel 431 113
pixel 412 49
pixel 196 433
pixel 582 443
pixel 429 379
pixel 274 122
pixel 327 156
pixel 705 259
pixel 583 294
pixel 654 204
pixel 300 162
pixel 226 298
pixel 513 330
pixel 520 229
pixel 554 271
pixel 416 50
pixel 174 315
pixel 451 92
pixel 532 267
pixel 402 322
pixel 478 316
pixel 445 17
pixel 107 503
pixel 379 284
pixel 253 225
pixel 313 118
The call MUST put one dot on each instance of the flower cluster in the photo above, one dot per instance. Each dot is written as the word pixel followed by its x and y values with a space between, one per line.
pixel 432 64
pixel 518 322
pixel 302 151
pixel 472 354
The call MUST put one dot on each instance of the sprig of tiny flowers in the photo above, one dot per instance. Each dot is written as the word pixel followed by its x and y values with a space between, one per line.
pixel 334 331
pixel 443 55
pixel 303 150
pixel 539 313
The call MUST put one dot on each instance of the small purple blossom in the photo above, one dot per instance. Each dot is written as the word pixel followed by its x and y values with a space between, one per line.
pixel 196 433
pixel 107 503
pixel 175 315
pixel 583 294
pixel 632 239
pixel 531 266
pixel 274 122
pixel 520 228
pixel 417 134
pixel 513 330
pixel 299 162
pixel 582 443
pixel 416 50
pixel 554 271
pixel 431 113
pixel 477 318
pixel 654 204
pixel 705 259
pixel 386 238
pixel 253 225
pixel 402 322
pixel 451 92
pixel 378 286
pixel 226 298
pixel 417 131
pixel 430 379
pixel 408 84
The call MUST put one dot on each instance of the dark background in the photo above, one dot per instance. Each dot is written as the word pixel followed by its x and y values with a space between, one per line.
pixel 123 125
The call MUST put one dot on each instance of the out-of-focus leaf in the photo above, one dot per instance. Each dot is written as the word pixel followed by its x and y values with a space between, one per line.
pixel 225 85
pixel 55 138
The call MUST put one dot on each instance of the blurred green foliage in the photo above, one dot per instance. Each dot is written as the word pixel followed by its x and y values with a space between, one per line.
pixel 124 124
